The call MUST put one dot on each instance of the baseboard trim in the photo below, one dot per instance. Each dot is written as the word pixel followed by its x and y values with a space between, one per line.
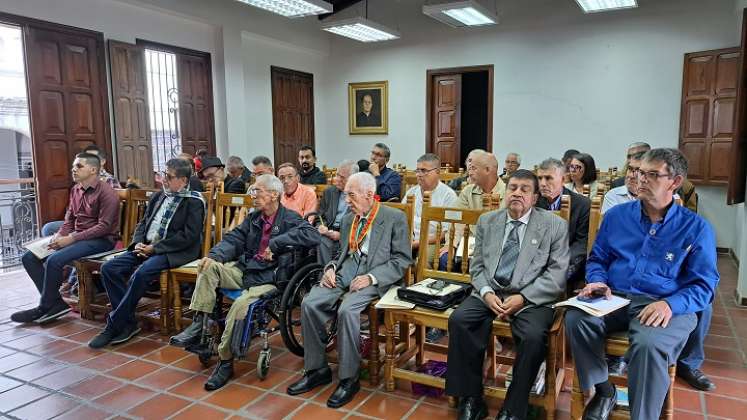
pixel 721 250
pixel 740 300
pixel 734 256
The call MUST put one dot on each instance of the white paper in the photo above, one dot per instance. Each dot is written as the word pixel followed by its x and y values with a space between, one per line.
pixel 192 264
pixel 600 307
pixel 390 300
pixel 40 247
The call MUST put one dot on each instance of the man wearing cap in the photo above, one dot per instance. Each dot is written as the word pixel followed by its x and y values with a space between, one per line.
pixel 213 172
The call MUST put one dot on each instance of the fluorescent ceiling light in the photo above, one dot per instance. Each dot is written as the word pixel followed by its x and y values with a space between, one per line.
pixel 292 8
pixel 361 29
pixel 461 13
pixel 593 6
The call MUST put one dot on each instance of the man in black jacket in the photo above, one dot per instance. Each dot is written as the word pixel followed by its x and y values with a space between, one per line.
pixel 246 258
pixel 550 174
pixel 309 172
pixel 332 209
pixel 212 172
pixel 169 235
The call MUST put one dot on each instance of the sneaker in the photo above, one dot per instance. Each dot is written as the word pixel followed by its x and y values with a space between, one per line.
pixel 29 315
pixel 126 334
pixel 57 311
pixel 103 338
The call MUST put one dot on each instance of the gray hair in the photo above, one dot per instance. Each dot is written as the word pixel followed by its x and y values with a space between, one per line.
pixel 551 163
pixel 518 157
pixel 638 144
pixel 366 181
pixel 181 168
pixel 234 162
pixel 675 160
pixel 385 148
pixel 431 158
pixel 271 183
pixel 262 160
pixel 349 164
pixel 473 153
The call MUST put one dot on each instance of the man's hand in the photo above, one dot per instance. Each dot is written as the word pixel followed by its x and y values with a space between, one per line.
pixel 598 287
pixel 143 251
pixel 204 264
pixel 511 305
pixel 359 282
pixel 656 314
pixel 334 235
pixel 323 230
pixel 267 255
pixel 329 279
pixel 493 302
pixel 60 242
pixel 374 169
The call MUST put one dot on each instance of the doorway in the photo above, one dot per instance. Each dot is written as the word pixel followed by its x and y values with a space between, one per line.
pixel 292 113
pixel 459 114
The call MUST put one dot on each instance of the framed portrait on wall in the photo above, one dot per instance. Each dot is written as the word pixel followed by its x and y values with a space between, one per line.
pixel 368 107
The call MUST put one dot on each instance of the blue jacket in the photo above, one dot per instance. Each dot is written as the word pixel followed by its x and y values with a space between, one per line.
pixel 388 184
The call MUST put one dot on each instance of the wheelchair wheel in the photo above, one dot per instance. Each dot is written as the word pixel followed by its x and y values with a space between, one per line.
pixel 263 364
pixel 290 305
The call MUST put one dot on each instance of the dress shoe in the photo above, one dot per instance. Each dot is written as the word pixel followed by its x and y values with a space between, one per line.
pixel 505 415
pixel 103 338
pixel 126 334
pixel 58 310
pixel 27 316
pixel 696 378
pixel 311 379
pixel 600 407
pixel 472 408
pixel 220 376
pixel 344 393
pixel 190 335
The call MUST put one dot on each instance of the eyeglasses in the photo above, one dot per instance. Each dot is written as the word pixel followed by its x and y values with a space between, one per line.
pixel 253 192
pixel 167 177
pixel 286 177
pixel 424 171
pixel 652 175
pixel 575 168
pixel 633 170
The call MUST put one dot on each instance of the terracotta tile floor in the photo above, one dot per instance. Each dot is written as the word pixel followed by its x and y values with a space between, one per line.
pixel 48 372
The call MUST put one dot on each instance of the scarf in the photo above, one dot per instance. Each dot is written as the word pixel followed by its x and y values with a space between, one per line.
pixel 168 214
pixel 359 231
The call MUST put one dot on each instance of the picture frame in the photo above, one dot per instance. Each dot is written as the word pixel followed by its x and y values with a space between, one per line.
pixel 368 107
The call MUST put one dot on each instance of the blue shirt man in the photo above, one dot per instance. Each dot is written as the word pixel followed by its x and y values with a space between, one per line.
pixel 388 181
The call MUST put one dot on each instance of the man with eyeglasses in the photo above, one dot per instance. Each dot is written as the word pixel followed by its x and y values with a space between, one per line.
pixel 213 172
pixel 332 209
pixel 246 258
pixel 662 257
pixel 296 196
pixel 388 181
pixel 628 191
pixel 511 165
pixel 168 236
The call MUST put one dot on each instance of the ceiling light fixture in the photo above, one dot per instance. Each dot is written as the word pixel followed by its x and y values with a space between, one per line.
pixel 361 29
pixel 461 13
pixel 292 8
pixel 594 6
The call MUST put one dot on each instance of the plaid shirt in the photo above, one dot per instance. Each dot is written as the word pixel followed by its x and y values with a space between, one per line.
pixel 109 178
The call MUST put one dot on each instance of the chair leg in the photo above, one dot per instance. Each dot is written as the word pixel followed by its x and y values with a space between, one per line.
pixel 85 297
pixel 420 343
pixel 390 356
pixel 177 295
pixel 577 399
pixel 667 412
pixel 373 362
pixel 164 283
pixel 490 354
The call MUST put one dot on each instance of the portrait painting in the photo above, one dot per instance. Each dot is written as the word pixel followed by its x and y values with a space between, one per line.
pixel 368 108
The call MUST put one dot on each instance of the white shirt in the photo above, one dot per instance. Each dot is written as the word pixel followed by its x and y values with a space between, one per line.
pixel 521 231
pixel 615 196
pixel 152 235
pixel 441 196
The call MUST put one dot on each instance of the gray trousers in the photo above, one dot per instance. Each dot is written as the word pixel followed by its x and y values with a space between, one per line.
pixel 651 352
pixel 327 250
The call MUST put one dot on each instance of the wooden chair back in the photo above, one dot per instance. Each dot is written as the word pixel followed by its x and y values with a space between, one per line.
pixel 408 207
pixel 230 211
pixel 136 208
pixel 448 176
pixel 409 180
pixel 319 189
pixel 124 216
pixel 207 233
pixel 595 221
pixel 491 201
pixel 565 208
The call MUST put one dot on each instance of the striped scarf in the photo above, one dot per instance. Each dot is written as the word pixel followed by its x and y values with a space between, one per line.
pixel 168 214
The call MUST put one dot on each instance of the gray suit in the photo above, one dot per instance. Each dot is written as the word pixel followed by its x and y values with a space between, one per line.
pixel 539 276
pixel 388 257
pixel 328 212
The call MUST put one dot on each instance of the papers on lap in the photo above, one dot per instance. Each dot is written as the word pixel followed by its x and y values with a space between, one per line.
pixel 192 264
pixel 598 307
pixel 390 300
pixel 40 247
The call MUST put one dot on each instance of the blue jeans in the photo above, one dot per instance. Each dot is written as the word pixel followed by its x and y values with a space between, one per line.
pixel 692 355
pixel 123 294
pixel 51 228
pixel 47 273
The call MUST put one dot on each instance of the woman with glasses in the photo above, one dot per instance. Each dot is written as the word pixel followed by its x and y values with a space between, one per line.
pixel 583 171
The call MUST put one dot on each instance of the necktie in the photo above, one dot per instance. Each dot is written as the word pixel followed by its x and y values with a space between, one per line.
pixel 509 255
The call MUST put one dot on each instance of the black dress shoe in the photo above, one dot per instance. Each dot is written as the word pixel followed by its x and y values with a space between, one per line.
pixel 190 335
pixel 310 380
pixel 220 376
pixel 505 415
pixel 472 408
pixel 344 393
pixel 600 407
pixel 696 379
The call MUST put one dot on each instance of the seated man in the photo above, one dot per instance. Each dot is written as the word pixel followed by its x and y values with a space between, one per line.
pixel 388 181
pixel 628 191
pixel 375 252
pixel 244 259
pixel 212 172
pixel 90 227
pixel 516 277
pixel 512 164
pixel 168 236
pixel 310 174
pixel 456 184
pixel 663 258
pixel 635 149
pixel 296 196
pixel 262 166
pixel 194 181
pixel 332 209
pixel 551 173
pixel 236 169
pixel 484 172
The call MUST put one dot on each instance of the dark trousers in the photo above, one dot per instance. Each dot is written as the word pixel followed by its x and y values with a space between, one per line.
pixel 692 355
pixel 47 273
pixel 469 332
pixel 126 278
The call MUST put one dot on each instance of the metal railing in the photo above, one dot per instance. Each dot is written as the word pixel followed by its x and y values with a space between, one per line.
pixel 18 224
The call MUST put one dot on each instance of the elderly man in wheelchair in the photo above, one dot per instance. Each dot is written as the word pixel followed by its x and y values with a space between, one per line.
pixel 248 259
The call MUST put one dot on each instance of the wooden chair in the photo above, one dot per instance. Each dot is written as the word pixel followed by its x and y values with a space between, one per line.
pixel 319 189
pixel 399 354
pixel 616 345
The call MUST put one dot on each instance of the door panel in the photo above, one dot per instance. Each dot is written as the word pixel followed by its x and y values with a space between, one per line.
pixel 292 113
pixel 738 156
pixel 446 117
pixel 196 103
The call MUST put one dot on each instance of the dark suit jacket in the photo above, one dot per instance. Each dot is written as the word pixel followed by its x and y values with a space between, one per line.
pixel 328 205
pixel 195 184
pixel 184 235
pixel 242 244
pixel 578 233
pixel 234 186
pixel 370 120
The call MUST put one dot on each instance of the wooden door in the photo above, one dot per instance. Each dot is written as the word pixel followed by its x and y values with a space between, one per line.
pixel 196 103
pixel 69 106
pixel 131 118
pixel 738 155
pixel 292 113
pixel 709 93
pixel 446 118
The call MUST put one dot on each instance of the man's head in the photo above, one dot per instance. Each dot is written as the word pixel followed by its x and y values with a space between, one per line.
pixel 662 172
pixel 550 175
pixel 187 157
pixel 344 170
pixel 85 168
pixel 202 153
pixel 468 161
pixel 582 168
pixel 427 171
pixel 484 171
pixel 262 166
pixel 380 154
pixel 359 192
pixel 513 161
pixel 568 155
pixel 212 171
pixel 367 103
pixel 637 147
pixel 522 193
pixel 235 166
pixel 94 150
pixel 266 192
pixel 306 158
pixel 631 172
pixel 288 175
pixel 176 176
pixel 363 165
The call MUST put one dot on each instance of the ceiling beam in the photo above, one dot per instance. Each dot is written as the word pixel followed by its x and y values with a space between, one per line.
pixel 338 7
